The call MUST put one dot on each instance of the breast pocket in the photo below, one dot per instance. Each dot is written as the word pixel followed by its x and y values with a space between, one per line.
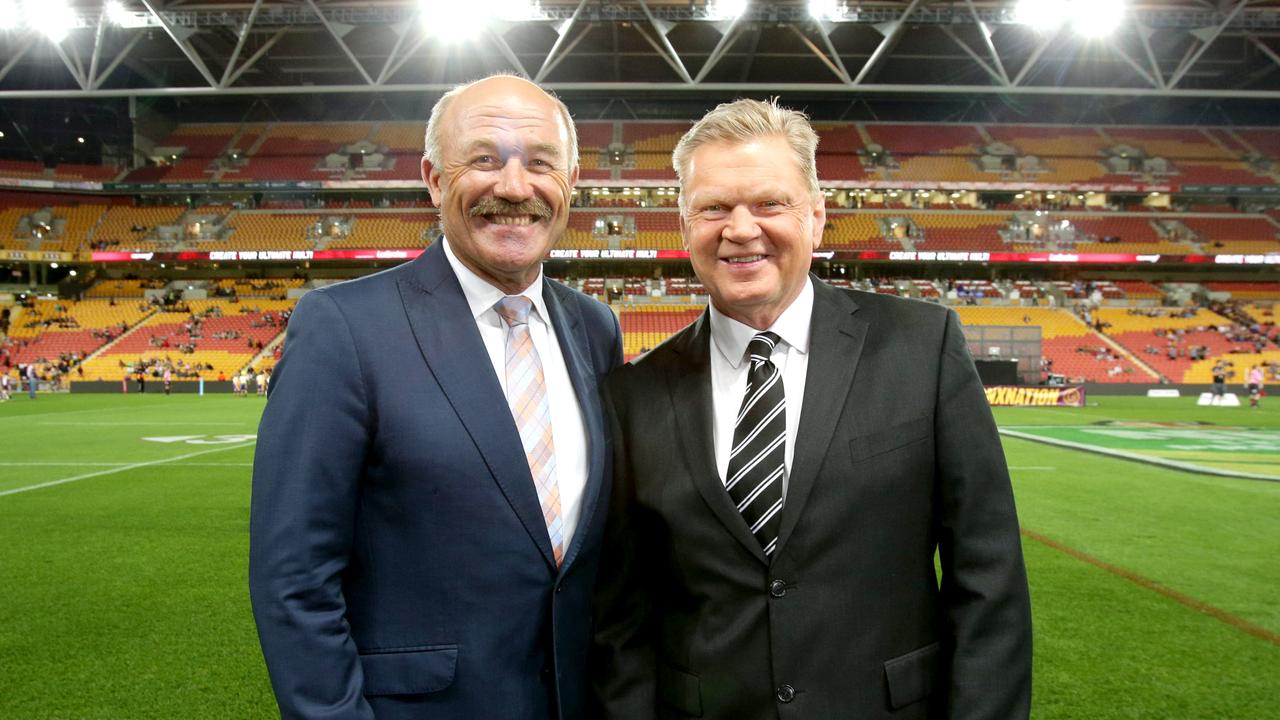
pixel 412 671
pixel 891 438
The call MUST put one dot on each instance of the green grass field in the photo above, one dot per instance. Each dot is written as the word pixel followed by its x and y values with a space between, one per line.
pixel 123 528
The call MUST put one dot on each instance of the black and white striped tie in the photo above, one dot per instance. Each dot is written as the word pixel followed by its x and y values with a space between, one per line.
pixel 757 459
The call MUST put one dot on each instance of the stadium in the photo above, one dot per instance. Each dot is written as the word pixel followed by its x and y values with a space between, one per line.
pixel 1092 185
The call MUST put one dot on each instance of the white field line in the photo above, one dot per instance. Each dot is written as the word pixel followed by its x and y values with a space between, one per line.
pixel 145 422
pixel 123 468
pixel 1032 467
pixel 213 464
pixel 1149 459
pixel 62 464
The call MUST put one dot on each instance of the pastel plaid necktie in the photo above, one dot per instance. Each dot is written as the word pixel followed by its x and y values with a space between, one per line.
pixel 757 459
pixel 527 396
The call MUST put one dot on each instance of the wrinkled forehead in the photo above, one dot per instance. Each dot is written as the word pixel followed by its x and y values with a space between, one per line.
pixel 511 124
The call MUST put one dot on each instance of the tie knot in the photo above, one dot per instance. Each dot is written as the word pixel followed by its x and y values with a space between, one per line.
pixel 761 347
pixel 514 309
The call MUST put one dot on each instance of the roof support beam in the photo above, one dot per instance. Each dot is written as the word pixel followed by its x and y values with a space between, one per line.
pixel 891 32
pixel 244 34
pixel 1120 53
pixel 839 70
pixel 505 48
pixel 97 49
pixel 1275 58
pixel 1144 33
pixel 254 57
pixel 668 52
pixel 1000 80
pixel 987 31
pixel 402 31
pixel 27 44
pixel 120 56
pixel 1206 41
pixel 1035 57
pixel 562 31
pixel 548 65
pixel 72 68
pixel 727 36
pixel 337 37
pixel 179 36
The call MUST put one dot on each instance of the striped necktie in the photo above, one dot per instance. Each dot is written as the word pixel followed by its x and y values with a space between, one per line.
pixel 757 459
pixel 527 396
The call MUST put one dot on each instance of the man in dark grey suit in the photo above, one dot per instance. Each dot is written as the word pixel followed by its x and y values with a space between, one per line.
pixel 786 469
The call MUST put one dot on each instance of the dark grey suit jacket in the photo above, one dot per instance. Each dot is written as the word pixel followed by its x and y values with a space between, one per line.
pixel 896 457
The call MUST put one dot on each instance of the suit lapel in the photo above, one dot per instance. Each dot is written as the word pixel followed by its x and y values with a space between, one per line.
pixel 836 339
pixel 447 336
pixel 571 333
pixel 690 390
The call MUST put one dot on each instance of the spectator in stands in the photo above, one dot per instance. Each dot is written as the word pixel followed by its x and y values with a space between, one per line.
pixel 712 523
pixel 404 562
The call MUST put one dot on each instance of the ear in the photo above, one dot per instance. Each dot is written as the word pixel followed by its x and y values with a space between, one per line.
pixel 573 177
pixel 684 226
pixel 431 176
pixel 819 219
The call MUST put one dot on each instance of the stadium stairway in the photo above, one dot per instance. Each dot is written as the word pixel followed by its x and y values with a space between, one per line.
pixel 268 350
pixel 107 347
pixel 1126 353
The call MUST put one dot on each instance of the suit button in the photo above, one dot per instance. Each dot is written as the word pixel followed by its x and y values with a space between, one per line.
pixel 786 694
pixel 777 588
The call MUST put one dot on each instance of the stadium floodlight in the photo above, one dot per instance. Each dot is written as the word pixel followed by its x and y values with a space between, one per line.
pixel 54 18
pixel 827 9
pixel 1096 18
pixel 119 15
pixel 451 21
pixel 726 9
pixel 10 15
pixel 1043 15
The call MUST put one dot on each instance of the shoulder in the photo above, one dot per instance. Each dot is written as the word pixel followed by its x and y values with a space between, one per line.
pixel 595 313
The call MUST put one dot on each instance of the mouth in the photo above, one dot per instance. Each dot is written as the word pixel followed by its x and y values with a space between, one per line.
pixel 743 260
pixel 510 219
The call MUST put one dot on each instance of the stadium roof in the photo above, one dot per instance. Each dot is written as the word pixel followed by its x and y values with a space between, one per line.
pixel 1220 49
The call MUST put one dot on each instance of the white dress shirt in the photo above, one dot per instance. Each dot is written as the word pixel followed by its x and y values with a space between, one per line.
pixel 729 341
pixel 568 432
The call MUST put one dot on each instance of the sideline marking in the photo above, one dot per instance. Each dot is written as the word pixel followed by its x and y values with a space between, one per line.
pixel 1186 600
pixel 62 464
pixel 122 468
pixel 1148 459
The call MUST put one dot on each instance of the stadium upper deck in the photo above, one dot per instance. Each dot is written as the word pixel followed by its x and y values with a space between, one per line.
pixel 387 153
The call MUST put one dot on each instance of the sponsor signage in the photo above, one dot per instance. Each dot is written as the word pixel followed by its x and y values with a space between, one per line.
pixel 1014 396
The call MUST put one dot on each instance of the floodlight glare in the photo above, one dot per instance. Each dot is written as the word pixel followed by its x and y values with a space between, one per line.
pixel 726 9
pixel 118 14
pixel 1043 15
pixel 1096 18
pixel 826 9
pixel 54 18
pixel 450 21
pixel 10 14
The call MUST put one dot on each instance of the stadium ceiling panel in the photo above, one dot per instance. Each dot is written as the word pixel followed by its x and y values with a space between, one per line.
pixel 133 48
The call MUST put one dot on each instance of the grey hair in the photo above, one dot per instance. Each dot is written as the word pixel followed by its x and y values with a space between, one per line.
pixel 743 120
pixel 432 140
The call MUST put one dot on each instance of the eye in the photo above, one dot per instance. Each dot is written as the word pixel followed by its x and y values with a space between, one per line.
pixel 484 161
pixel 539 164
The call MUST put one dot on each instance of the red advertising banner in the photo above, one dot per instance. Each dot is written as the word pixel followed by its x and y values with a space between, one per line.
pixel 1014 396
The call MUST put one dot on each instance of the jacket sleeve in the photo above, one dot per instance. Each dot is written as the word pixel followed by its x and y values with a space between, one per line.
pixel 984 584
pixel 307 467
pixel 623 663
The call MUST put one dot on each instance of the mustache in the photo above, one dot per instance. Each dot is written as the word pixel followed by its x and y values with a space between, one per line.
pixel 534 206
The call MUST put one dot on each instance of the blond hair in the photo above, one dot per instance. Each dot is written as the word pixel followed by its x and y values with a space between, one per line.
pixel 743 120
pixel 432 141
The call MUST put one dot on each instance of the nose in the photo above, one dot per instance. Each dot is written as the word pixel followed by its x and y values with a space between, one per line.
pixel 741 226
pixel 513 181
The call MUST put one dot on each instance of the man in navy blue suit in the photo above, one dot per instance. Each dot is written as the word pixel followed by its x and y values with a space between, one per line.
pixel 431 467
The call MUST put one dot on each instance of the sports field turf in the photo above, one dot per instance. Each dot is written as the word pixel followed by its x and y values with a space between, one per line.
pixel 123 544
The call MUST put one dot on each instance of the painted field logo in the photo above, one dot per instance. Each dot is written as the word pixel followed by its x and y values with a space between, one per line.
pixel 1233 451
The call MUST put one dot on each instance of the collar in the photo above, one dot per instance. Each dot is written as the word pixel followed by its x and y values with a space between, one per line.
pixel 481 296
pixel 732 337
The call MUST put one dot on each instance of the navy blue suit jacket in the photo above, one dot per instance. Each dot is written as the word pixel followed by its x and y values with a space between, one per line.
pixel 399 564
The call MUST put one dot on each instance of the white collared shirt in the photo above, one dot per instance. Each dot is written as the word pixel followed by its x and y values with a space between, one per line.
pixel 568 431
pixel 729 341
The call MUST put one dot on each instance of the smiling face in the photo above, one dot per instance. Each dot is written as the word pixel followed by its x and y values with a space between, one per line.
pixel 504 179
pixel 750 224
